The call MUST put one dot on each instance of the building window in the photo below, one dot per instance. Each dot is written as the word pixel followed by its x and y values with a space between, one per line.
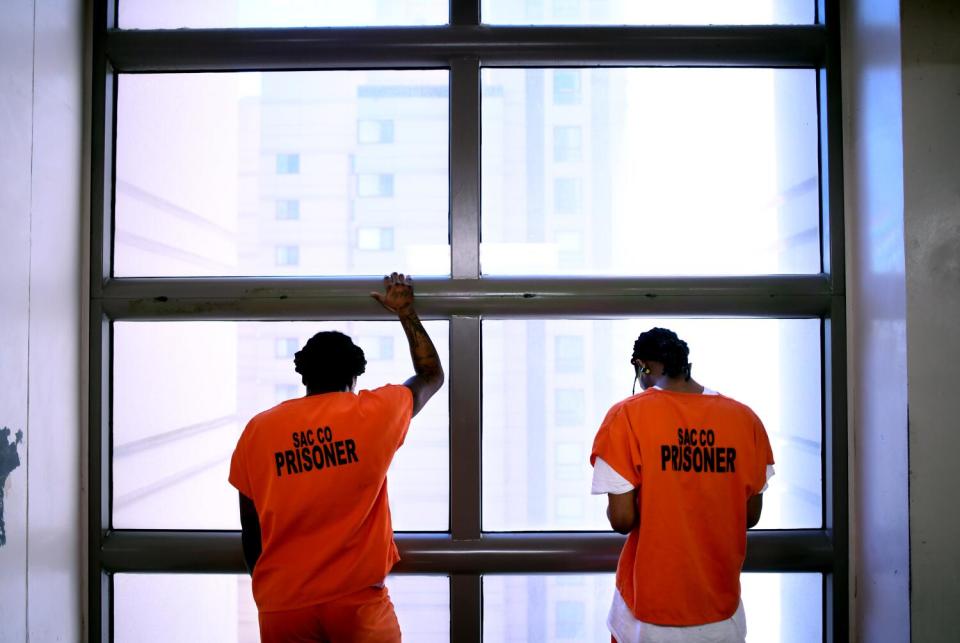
pixel 569 248
pixel 375 238
pixel 568 353
pixel 567 9
pixel 288 209
pixel 568 406
pixel 287 255
pixel 567 143
pixel 569 507
pixel 288 164
pixel 283 392
pixel 566 87
pixel 569 618
pixel 377 348
pixel 566 195
pixel 374 185
pixel 569 453
pixel 374 131
pixel 284 347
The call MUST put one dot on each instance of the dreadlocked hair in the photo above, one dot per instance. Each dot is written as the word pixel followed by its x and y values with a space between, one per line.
pixel 329 361
pixel 663 345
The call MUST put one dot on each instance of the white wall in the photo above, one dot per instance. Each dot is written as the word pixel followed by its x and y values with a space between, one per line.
pixel 876 301
pixel 41 121
pixel 931 159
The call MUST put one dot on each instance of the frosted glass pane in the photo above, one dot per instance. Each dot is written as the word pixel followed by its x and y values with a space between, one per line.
pixel 541 411
pixel 183 391
pixel 173 14
pixel 780 608
pixel 652 171
pixel 647 12
pixel 219 608
pixel 205 162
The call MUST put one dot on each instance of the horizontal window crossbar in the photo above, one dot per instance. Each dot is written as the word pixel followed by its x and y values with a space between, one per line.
pixel 184 50
pixel 244 298
pixel 583 552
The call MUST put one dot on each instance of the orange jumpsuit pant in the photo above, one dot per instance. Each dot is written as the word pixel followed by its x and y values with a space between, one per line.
pixel 366 616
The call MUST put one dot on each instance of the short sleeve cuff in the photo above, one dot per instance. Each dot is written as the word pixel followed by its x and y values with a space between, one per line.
pixel 770 474
pixel 607 480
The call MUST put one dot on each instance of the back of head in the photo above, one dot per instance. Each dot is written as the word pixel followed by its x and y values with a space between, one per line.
pixel 329 361
pixel 662 345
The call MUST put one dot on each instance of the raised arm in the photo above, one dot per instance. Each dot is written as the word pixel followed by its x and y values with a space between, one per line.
pixel 428 378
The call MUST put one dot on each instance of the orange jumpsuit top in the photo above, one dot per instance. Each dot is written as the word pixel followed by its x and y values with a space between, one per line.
pixel 316 470
pixel 696 460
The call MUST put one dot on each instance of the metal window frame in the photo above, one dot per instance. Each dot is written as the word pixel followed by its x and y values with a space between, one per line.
pixel 463 47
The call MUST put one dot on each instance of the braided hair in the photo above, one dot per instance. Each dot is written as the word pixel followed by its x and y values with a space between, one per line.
pixel 663 345
pixel 329 361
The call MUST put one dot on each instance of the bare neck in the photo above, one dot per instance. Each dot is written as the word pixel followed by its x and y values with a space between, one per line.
pixel 680 385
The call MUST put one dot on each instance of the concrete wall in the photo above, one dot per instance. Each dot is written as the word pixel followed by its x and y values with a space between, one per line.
pixel 931 159
pixel 41 125
pixel 876 301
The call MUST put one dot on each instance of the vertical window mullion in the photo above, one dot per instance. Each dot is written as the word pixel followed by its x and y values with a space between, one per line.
pixel 466 602
pixel 464 13
pixel 464 378
pixel 466 608
pixel 465 168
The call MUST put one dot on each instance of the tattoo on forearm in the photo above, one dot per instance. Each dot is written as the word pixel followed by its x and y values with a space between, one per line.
pixel 426 361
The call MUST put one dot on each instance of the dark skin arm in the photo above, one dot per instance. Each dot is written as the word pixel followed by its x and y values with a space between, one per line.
pixel 622 511
pixel 428 372
pixel 250 532
pixel 754 508
pixel 624 516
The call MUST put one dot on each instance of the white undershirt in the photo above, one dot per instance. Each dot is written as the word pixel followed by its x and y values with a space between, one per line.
pixel 624 626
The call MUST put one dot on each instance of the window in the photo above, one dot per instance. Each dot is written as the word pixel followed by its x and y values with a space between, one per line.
pixel 566 195
pixel 288 164
pixel 676 12
pixel 569 617
pixel 374 185
pixel 568 353
pixel 375 131
pixel 575 606
pixel 287 255
pixel 568 406
pixel 375 238
pixel 287 392
pixel 216 375
pixel 288 209
pixel 567 143
pixel 566 87
pixel 724 354
pixel 192 183
pixel 144 14
pixel 376 348
pixel 586 194
pixel 569 248
pixel 286 347
pixel 219 608
pixel 746 138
